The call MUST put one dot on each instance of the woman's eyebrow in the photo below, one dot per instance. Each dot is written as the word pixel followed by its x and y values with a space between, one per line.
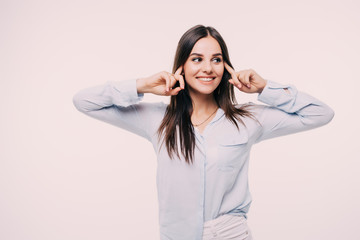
pixel 199 54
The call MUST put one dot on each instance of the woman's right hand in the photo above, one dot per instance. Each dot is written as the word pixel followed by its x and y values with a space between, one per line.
pixel 161 83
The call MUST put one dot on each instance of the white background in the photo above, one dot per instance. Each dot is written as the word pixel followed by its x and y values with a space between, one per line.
pixel 64 175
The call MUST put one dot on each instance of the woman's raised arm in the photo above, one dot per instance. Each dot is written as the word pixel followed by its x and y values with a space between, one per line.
pixel 288 111
pixel 118 102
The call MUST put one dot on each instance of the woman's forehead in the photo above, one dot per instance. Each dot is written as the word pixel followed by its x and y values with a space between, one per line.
pixel 206 46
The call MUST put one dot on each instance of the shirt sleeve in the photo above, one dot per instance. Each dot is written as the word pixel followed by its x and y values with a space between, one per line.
pixel 118 103
pixel 289 111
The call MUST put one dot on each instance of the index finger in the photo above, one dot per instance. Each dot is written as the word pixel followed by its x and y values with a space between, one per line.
pixel 229 69
pixel 233 75
pixel 179 70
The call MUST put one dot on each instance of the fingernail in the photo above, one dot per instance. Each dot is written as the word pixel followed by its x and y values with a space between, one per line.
pixel 248 85
pixel 239 85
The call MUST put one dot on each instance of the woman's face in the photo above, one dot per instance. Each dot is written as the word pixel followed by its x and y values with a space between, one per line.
pixel 204 67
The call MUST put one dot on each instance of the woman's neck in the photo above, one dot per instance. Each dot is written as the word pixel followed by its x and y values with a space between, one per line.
pixel 203 104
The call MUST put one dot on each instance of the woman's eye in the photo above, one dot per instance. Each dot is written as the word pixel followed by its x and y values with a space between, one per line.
pixel 196 59
pixel 216 60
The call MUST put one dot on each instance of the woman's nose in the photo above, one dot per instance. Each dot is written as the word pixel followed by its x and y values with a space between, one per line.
pixel 206 67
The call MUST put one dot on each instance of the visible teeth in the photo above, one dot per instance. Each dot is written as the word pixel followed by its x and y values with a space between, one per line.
pixel 206 79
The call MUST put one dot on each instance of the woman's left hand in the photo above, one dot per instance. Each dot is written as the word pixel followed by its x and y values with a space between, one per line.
pixel 247 81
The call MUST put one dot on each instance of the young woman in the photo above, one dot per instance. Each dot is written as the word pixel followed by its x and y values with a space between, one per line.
pixel 203 137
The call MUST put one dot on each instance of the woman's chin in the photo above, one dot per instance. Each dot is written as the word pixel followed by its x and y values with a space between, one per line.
pixel 203 87
pixel 203 90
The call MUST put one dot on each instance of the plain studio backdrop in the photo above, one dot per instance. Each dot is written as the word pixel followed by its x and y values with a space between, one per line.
pixel 64 175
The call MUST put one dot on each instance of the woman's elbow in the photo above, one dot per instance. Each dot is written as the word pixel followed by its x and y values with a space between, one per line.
pixel 320 118
pixel 326 116
pixel 78 102
pixel 330 115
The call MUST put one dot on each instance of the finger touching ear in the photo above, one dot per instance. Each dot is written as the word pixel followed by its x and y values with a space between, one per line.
pixel 179 70
pixel 234 77
pixel 228 68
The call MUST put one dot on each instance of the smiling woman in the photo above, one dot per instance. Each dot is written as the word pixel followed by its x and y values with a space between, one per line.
pixel 200 57
pixel 203 137
pixel 204 68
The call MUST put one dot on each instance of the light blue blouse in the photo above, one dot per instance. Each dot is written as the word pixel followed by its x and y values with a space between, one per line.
pixel 217 182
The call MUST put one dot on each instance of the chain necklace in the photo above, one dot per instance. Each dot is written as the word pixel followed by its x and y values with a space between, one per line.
pixel 196 125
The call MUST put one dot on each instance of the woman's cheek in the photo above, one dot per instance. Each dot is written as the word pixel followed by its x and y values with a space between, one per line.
pixel 189 69
pixel 219 70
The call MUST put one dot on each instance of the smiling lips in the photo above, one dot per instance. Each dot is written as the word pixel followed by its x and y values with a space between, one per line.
pixel 206 79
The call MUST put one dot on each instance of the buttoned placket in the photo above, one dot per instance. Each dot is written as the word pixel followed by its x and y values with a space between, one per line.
pixel 202 148
pixel 202 140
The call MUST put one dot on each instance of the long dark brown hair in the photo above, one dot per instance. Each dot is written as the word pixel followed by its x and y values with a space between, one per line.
pixel 177 120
